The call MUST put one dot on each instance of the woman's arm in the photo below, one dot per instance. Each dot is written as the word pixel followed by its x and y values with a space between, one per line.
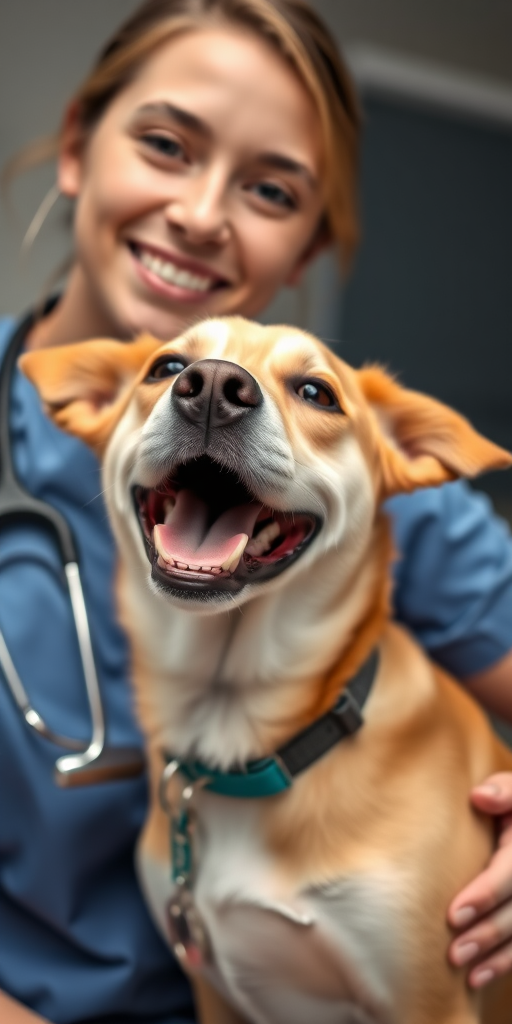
pixel 453 581
pixel 493 687
pixel 12 1012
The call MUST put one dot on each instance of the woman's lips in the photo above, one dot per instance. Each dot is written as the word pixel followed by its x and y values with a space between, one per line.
pixel 169 278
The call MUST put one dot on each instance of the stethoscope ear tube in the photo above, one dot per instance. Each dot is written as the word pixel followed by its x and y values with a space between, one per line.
pixel 93 762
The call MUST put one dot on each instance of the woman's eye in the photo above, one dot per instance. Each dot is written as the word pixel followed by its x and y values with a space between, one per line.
pixel 318 394
pixel 166 145
pixel 166 366
pixel 274 194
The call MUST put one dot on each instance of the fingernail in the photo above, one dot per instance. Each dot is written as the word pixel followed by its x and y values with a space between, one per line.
pixel 466 951
pixel 463 916
pixel 482 977
pixel 488 789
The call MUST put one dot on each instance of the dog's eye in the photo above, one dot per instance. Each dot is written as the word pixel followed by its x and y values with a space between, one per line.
pixel 318 394
pixel 165 366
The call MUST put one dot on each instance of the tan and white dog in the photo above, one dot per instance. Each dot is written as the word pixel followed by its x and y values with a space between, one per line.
pixel 244 468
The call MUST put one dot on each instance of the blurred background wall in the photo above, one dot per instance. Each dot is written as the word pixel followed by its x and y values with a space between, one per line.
pixel 431 290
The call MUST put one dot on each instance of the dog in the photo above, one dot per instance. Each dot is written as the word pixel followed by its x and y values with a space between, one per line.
pixel 309 767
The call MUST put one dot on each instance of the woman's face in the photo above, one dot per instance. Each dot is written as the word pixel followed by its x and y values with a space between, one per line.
pixel 199 191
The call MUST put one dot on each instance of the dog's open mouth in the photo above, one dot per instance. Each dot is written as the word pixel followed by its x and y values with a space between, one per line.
pixel 204 531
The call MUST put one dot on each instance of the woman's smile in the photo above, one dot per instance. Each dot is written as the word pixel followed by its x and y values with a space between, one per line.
pixel 170 274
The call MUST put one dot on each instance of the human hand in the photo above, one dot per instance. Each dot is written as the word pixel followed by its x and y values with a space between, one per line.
pixel 12 1012
pixel 484 908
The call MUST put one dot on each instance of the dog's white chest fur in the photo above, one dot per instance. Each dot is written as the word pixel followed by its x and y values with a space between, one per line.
pixel 327 954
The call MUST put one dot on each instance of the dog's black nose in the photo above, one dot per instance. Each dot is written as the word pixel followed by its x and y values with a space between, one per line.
pixel 215 393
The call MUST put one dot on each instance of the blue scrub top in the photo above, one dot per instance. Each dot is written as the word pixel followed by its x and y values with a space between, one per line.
pixel 76 942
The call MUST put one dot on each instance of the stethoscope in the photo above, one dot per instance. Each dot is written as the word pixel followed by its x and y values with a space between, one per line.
pixel 95 761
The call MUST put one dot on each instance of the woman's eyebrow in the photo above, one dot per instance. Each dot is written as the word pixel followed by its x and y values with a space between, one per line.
pixel 280 162
pixel 171 113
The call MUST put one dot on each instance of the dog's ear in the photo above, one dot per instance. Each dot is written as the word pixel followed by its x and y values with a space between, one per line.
pixel 85 387
pixel 422 442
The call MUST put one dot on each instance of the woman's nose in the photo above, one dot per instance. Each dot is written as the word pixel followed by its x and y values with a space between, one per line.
pixel 199 210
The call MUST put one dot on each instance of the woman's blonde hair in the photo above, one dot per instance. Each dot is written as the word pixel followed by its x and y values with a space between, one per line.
pixel 295 31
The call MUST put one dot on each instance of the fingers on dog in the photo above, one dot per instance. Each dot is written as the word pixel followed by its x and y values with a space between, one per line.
pixel 493 967
pixel 494 794
pixel 489 934
pixel 486 893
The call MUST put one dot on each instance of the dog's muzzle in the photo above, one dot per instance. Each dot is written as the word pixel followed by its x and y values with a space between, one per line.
pixel 206 533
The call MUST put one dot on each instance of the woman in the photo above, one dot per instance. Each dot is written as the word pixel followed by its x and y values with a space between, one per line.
pixel 211 154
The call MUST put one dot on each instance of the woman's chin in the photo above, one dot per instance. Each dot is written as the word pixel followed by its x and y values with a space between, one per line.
pixel 144 318
pixel 141 314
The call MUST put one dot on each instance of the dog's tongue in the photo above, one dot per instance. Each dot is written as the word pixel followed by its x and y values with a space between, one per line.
pixel 186 538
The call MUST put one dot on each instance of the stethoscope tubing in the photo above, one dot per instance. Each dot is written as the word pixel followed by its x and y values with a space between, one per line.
pixel 31 716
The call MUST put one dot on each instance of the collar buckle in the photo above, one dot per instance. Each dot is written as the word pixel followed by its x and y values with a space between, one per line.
pixel 349 713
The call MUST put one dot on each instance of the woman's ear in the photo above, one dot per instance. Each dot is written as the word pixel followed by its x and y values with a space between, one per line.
pixel 71 152
pixel 85 387
pixel 422 442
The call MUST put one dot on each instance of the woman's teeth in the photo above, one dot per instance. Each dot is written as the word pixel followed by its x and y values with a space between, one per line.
pixel 172 274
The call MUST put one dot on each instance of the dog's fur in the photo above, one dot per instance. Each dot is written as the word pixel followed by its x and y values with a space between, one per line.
pixel 326 903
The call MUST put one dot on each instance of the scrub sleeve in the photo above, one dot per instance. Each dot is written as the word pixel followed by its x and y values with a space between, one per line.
pixel 76 941
pixel 453 576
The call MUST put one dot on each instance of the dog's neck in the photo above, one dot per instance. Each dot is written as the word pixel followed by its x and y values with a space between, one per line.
pixel 233 686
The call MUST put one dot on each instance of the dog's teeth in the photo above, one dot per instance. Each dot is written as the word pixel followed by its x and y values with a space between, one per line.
pixel 216 570
pixel 231 563
pixel 163 563
pixel 160 547
pixel 262 542
pixel 181 565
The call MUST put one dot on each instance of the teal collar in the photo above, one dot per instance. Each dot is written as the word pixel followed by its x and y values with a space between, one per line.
pixel 264 777
pixel 271 775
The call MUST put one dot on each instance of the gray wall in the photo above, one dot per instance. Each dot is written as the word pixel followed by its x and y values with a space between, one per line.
pixel 431 290
pixel 46 47
pixel 472 36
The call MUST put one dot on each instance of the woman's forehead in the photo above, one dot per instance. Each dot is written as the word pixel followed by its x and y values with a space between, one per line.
pixel 231 81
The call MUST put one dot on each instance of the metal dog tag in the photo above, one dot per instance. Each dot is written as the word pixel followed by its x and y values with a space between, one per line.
pixel 187 932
